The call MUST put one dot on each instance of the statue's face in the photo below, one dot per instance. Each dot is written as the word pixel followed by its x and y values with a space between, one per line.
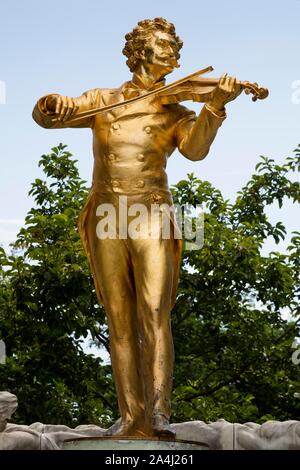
pixel 161 52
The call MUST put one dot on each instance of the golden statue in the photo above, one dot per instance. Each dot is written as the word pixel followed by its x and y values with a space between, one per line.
pixel 136 128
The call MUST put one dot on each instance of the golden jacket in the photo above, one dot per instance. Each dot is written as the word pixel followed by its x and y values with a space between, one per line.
pixel 131 146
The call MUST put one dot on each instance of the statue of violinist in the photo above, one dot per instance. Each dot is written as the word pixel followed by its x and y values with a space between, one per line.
pixel 136 279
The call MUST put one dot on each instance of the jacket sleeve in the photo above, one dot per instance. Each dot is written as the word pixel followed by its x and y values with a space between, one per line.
pixel 48 119
pixel 194 135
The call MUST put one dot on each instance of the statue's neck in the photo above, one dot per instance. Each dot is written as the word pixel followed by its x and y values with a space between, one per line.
pixel 146 77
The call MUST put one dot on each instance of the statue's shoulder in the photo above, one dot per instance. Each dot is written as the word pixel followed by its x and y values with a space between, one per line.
pixel 100 91
pixel 106 95
pixel 108 91
pixel 99 96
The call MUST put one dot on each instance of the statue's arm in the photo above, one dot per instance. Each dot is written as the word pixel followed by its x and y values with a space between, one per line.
pixel 56 111
pixel 194 135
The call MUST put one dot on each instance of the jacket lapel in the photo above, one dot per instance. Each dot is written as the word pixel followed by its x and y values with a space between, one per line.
pixel 112 96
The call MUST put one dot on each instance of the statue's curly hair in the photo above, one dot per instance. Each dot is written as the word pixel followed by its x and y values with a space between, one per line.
pixel 137 39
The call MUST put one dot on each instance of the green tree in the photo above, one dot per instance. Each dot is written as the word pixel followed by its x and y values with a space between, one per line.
pixel 48 305
pixel 233 347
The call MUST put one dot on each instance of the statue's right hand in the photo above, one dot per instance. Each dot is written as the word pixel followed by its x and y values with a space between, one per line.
pixel 63 106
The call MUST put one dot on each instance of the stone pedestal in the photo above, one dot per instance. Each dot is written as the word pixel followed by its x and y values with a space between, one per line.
pixel 131 443
pixel 190 436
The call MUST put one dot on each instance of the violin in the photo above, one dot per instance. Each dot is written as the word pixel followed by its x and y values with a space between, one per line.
pixel 193 87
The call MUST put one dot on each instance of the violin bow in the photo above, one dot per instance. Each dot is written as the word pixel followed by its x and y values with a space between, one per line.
pixel 259 93
pixel 103 109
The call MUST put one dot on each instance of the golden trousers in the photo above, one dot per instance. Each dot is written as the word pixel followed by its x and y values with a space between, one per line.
pixel 136 281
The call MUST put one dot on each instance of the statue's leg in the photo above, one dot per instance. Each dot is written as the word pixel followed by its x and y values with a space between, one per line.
pixel 112 266
pixel 154 268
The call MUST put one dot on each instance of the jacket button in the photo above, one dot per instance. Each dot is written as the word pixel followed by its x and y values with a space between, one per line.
pixel 111 156
pixel 140 157
pixel 148 130
pixel 140 184
pixel 116 126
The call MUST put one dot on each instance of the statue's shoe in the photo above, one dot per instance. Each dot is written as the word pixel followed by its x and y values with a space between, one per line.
pixel 125 429
pixel 161 426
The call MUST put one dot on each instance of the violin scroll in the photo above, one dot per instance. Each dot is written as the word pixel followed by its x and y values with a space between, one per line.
pixel 259 93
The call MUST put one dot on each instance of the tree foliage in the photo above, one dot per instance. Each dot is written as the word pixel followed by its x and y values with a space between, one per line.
pixel 233 344
pixel 48 305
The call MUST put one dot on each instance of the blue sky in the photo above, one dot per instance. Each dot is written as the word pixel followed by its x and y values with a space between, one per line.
pixel 69 46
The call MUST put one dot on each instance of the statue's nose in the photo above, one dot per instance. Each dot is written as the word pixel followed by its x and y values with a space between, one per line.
pixel 169 54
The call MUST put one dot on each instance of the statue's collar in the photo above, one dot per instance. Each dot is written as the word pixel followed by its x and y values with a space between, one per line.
pixel 138 83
